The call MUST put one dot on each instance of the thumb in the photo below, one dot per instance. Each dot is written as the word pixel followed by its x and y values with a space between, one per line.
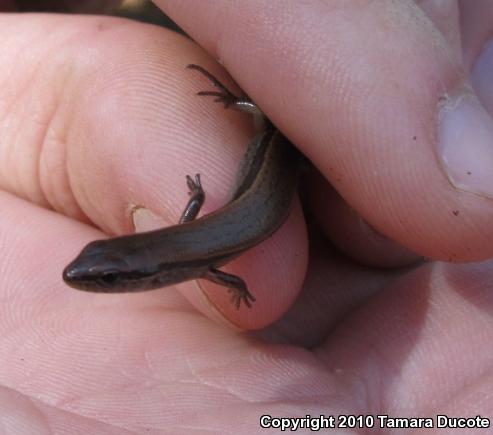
pixel 374 94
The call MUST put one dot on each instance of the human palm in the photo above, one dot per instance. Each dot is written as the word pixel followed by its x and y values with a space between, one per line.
pixel 100 125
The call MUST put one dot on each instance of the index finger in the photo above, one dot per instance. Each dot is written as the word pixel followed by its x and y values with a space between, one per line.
pixel 119 127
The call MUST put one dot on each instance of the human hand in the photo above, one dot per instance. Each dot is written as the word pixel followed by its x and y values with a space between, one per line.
pixel 99 116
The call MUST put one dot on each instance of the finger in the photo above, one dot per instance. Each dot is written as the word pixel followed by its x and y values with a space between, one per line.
pixel 446 18
pixel 478 48
pixel 394 128
pixel 112 122
pixel 335 286
pixel 349 232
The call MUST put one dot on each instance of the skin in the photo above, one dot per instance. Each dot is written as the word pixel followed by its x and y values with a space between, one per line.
pixel 110 122
pixel 260 203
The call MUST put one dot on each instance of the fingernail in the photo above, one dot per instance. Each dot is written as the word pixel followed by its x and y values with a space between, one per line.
pixel 145 220
pixel 465 143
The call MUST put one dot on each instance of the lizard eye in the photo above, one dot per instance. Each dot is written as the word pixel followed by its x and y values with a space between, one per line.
pixel 109 277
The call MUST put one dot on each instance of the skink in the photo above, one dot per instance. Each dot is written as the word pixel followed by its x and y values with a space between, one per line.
pixel 195 248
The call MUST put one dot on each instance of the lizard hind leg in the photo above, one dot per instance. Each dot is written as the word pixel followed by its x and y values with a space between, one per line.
pixel 236 286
